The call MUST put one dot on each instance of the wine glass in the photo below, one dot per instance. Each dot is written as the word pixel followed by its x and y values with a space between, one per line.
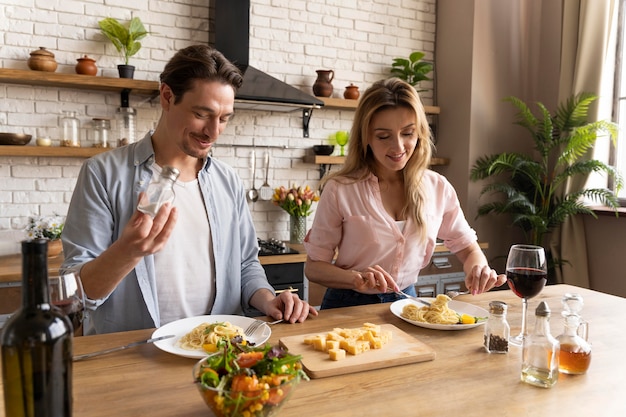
pixel 526 272
pixel 66 293
pixel 342 140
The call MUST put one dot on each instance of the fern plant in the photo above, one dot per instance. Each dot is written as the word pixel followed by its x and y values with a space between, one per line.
pixel 529 186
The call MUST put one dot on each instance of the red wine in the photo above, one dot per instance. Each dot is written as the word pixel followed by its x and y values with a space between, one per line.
pixel 73 309
pixel 526 282
pixel 37 346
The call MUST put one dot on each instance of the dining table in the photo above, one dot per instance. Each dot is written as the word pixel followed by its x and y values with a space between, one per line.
pixel 462 379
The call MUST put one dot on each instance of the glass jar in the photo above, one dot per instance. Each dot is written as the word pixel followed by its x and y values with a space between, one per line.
pixel 497 330
pixel 69 129
pixel 101 133
pixel 159 192
pixel 125 120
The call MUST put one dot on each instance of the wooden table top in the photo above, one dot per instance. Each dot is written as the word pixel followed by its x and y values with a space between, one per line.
pixel 462 380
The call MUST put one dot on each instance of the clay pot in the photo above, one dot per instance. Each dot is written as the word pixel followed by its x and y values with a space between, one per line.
pixel 86 66
pixel 352 92
pixel 322 86
pixel 42 60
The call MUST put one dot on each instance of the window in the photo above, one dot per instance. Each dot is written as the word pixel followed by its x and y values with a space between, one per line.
pixel 618 153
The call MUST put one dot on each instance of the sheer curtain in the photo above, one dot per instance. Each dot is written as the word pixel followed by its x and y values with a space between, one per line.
pixel 587 50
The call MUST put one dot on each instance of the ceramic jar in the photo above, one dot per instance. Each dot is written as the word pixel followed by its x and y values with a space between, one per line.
pixel 352 92
pixel 42 60
pixel 322 86
pixel 86 66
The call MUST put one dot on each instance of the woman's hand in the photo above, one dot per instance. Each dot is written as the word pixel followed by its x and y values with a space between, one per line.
pixel 289 307
pixel 482 278
pixel 374 280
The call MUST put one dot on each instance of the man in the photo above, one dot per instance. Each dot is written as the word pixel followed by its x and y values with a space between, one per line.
pixel 197 256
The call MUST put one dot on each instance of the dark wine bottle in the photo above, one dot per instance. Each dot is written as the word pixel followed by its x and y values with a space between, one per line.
pixel 37 346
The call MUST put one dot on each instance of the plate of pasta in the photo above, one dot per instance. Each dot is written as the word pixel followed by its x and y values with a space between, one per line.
pixel 193 335
pixel 443 313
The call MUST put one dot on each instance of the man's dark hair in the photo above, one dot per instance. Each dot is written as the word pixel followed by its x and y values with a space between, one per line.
pixel 199 62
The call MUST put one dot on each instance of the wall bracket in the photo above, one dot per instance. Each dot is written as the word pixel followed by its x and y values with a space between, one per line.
pixel 306 118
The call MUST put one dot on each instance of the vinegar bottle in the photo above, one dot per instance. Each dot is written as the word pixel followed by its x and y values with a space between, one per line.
pixel 159 192
pixel 540 352
pixel 37 346
pixel 575 355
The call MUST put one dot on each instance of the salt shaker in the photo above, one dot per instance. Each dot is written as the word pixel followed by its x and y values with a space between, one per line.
pixel 540 352
pixel 497 330
pixel 159 192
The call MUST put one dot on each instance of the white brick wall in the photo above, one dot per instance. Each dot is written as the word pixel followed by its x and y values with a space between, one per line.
pixel 356 38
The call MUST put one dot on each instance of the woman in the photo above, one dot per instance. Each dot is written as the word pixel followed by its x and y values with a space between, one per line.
pixel 382 213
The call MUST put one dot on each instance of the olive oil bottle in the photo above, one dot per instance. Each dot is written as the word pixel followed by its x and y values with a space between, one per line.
pixel 37 346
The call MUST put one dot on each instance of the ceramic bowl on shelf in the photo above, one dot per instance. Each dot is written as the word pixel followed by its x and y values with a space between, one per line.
pixel 323 149
pixel 14 139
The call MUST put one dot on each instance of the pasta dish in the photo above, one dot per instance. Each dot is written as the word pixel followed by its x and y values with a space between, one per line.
pixel 209 334
pixel 437 313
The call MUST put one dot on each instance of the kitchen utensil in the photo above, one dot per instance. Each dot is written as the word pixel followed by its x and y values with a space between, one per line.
pixel 252 328
pixel 402 349
pixel 266 191
pixel 253 194
pixel 118 348
pixel 419 300
pixel 14 139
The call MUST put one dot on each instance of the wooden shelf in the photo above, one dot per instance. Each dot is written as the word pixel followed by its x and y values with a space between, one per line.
pixel 340 103
pixel 60 151
pixel 78 81
pixel 338 160
pixel 325 161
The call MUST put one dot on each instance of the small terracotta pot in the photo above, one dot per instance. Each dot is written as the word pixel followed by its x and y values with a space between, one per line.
pixel 86 66
pixel 352 92
pixel 42 60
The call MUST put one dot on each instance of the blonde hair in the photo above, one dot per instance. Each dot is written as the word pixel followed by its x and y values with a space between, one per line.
pixel 360 162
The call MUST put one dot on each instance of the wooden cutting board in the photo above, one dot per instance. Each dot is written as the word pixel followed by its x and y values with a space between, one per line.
pixel 402 349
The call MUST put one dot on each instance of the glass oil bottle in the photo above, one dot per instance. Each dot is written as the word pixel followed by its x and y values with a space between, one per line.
pixel 540 352
pixel 575 353
pixel 497 330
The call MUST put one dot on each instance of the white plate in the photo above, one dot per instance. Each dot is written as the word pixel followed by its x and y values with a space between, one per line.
pixel 181 327
pixel 458 306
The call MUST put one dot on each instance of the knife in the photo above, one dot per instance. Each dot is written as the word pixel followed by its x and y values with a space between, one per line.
pixel 115 349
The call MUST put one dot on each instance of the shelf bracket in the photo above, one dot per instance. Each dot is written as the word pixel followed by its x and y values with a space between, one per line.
pixel 306 118
pixel 124 97
pixel 324 168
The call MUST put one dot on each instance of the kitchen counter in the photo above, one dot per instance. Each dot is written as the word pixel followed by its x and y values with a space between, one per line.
pixel 463 380
pixel 11 265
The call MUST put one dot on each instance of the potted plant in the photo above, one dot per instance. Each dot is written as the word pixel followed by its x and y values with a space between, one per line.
pixel 412 70
pixel 529 186
pixel 50 228
pixel 125 39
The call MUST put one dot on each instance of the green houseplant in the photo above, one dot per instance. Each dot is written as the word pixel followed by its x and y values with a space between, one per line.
pixel 530 188
pixel 125 39
pixel 412 70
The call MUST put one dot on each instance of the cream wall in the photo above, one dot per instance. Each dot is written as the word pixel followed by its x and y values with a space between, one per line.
pixel 289 40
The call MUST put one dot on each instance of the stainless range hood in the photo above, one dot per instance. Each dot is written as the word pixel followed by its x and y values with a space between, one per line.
pixel 230 29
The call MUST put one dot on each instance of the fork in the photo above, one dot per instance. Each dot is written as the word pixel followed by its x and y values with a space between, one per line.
pixel 254 326
pixel 419 300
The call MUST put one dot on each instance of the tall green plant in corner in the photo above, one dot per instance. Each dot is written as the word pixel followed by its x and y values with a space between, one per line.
pixel 529 187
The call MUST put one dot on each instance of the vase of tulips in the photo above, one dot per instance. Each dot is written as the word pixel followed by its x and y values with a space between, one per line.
pixel 297 202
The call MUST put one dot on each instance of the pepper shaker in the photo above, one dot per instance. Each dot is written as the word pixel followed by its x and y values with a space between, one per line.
pixel 497 330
